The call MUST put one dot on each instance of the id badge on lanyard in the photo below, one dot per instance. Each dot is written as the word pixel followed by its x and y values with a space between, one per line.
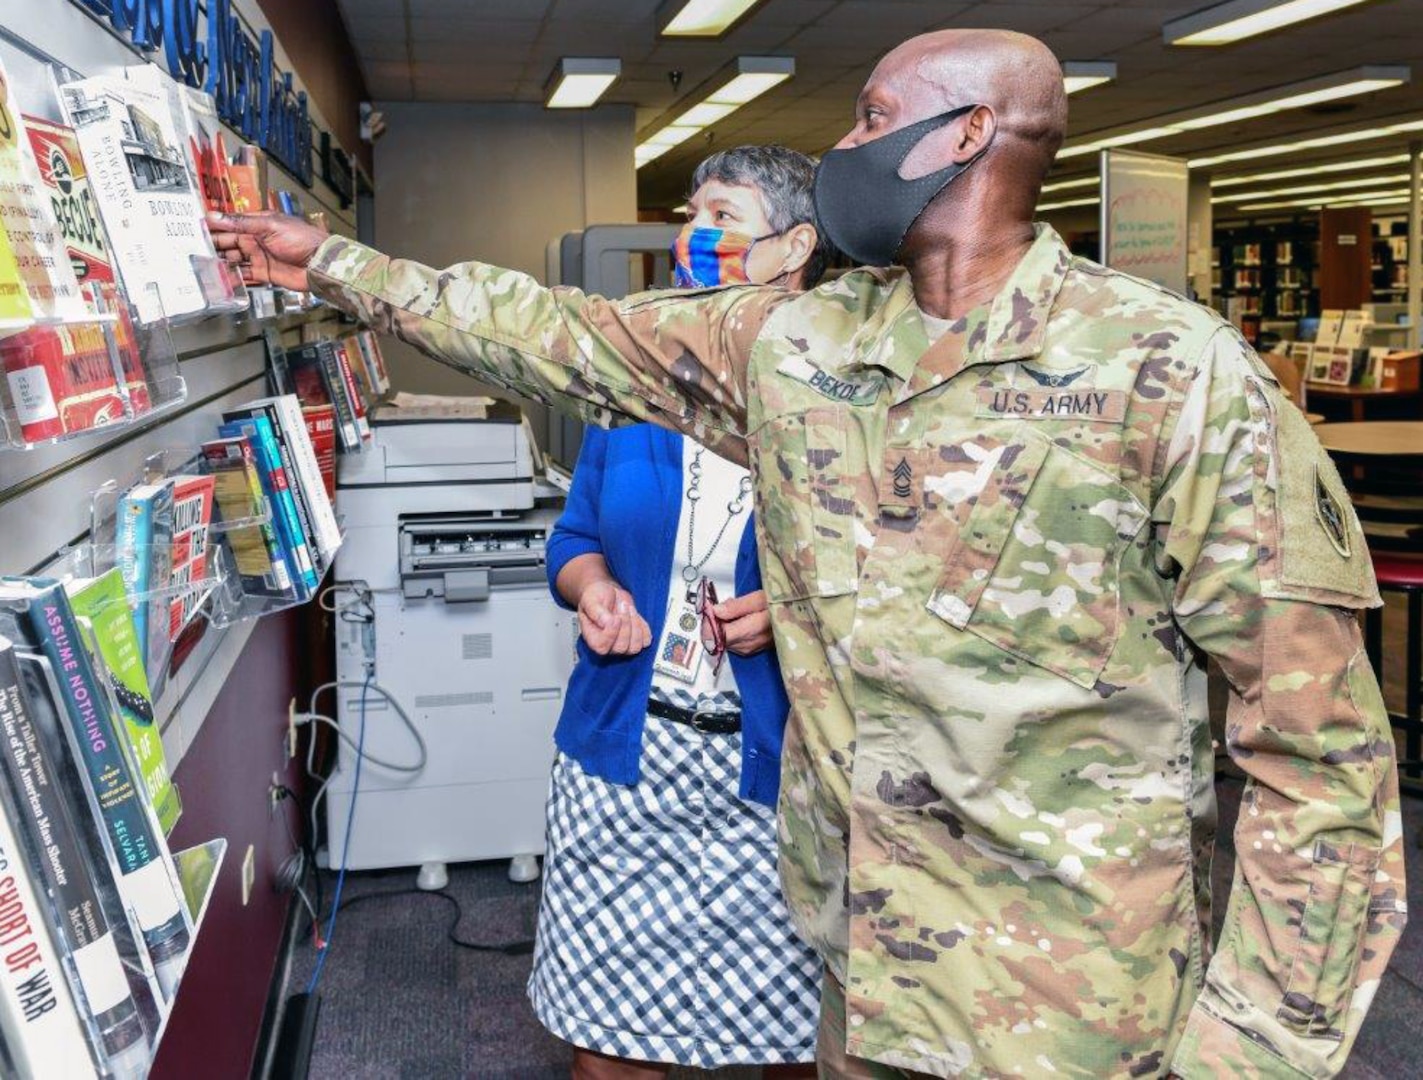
pixel 680 651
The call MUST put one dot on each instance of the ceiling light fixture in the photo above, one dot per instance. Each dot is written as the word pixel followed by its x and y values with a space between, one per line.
pixel 1341 84
pixel 1236 20
pixel 1377 198
pixel 750 77
pixel 701 18
pixel 1305 189
pixel 1079 75
pixel 1311 170
pixel 1076 182
pixel 579 81
pixel 1066 203
pixel 1316 143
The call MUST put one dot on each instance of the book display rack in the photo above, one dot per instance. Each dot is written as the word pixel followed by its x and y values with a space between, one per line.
pixel 70 380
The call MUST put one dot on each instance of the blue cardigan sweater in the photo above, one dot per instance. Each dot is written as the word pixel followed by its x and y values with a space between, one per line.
pixel 625 504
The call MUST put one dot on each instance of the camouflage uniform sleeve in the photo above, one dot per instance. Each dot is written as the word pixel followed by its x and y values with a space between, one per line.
pixel 676 359
pixel 1271 567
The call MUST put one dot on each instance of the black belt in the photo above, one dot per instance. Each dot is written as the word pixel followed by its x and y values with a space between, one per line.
pixel 707 719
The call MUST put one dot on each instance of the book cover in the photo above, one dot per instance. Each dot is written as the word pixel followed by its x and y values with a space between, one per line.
pixel 192 514
pixel 144 555
pixel 137 172
pixel 358 402
pixel 369 345
pixel 305 527
pixel 37 1014
pixel 321 426
pixel 279 497
pixel 248 172
pixel 63 176
pixel 62 380
pixel 104 603
pixel 291 425
pixel 51 826
pixel 197 113
pixel 239 495
pixel 279 376
pixel 323 353
pixel 28 222
pixel 139 852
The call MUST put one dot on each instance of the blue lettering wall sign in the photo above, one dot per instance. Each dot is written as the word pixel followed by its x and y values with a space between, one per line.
pixel 214 50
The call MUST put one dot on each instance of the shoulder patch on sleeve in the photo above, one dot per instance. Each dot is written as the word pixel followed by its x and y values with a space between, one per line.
pixel 1312 546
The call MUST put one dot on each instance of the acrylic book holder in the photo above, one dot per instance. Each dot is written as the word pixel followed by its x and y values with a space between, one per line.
pixel 66 381
pixel 237 600
pixel 221 594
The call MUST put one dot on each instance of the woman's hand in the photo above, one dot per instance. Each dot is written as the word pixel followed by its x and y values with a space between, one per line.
pixel 746 620
pixel 609 622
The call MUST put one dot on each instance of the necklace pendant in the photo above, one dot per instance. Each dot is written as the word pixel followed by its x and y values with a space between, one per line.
pixel 689 574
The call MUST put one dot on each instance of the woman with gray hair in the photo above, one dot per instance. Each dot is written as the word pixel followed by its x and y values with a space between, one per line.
pixel 663 939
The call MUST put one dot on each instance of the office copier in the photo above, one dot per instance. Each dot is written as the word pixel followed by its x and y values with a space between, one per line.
pixel 441 599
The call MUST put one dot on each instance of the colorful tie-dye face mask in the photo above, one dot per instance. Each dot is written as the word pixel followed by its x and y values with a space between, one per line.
pixel 704 257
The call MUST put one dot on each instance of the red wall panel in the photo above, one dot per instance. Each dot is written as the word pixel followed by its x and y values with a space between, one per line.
pixel 225 780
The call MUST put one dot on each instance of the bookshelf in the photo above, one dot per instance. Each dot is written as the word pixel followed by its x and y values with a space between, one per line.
pixel 1261 273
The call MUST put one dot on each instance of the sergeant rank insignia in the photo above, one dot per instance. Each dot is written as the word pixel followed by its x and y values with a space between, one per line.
pixel 1331 516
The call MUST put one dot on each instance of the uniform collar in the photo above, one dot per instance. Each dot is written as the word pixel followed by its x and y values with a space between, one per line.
pixel 894 339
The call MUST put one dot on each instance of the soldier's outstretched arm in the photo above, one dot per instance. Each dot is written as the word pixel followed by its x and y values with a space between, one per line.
pixel 1272 569
pixel 676 359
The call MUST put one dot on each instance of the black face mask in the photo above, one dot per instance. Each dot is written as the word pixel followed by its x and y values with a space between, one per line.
pixel 865 206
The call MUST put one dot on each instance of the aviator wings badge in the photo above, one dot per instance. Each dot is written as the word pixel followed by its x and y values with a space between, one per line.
pixel 1055 378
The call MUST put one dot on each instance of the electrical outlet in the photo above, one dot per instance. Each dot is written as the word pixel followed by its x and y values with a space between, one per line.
pixel 249 873
pixel 291 729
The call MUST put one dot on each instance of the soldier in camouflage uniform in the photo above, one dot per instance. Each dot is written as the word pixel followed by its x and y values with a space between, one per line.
pixel 1009 502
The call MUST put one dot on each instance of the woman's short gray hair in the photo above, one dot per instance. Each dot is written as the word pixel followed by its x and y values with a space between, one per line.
pixel 785 179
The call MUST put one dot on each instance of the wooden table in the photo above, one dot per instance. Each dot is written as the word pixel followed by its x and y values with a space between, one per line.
pixel 1358 398
pixel 1376 438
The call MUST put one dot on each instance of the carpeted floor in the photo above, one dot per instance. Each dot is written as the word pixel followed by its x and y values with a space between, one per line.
pixel 399 1001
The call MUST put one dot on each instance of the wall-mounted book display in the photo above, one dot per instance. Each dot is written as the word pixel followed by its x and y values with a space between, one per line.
pixel 69 380
pixel 266 454
pixel 243 528
pixel 105 911
pixel 151 172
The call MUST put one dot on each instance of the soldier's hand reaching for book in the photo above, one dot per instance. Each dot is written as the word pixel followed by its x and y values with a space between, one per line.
pixel 274 247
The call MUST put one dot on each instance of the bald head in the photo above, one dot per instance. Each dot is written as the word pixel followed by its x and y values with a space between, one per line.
pixel 1015 76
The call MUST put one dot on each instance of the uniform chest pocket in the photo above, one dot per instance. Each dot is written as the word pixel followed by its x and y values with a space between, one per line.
pixel 806 512
pixel 1034 569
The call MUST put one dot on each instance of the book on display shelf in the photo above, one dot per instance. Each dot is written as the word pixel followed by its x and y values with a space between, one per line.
pixel 62 380
pixel 192 520
pixel 303 525
pixel 353 392
pixel 135 845
pixel 137 170
pixel 248 173
pixel 144 554
pixel 317 380
pixel 103 601
pixel 93 375
pixel 238 490
pixel 277 488
pixel 39 1021
pixel 320 423
pixel 42 287
pixel 374 361
pixel 40 799
pixel 285 412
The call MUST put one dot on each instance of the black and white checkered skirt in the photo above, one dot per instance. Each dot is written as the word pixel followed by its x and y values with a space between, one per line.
pixel 663 935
